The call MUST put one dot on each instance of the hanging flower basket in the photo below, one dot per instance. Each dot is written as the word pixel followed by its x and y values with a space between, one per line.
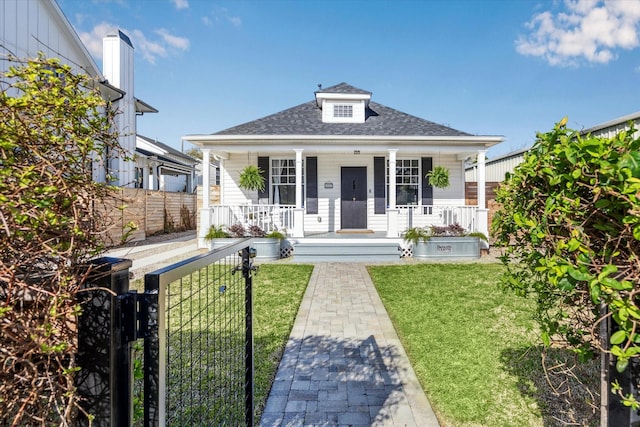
pixel 438 177
pixel 251 178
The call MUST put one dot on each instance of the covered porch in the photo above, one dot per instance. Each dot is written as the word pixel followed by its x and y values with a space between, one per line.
pixel 317 196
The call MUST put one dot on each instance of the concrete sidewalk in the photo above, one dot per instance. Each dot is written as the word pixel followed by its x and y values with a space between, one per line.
pixel 344 364
pixel 157 252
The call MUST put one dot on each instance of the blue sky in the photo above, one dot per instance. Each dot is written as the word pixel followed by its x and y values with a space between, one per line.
pixel 503 67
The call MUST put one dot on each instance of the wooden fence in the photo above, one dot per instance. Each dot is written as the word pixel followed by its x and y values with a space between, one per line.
pixel 471 196
pixel 133 214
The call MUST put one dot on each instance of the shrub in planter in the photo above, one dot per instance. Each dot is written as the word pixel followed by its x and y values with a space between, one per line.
pixel 268 246
pixel 451 241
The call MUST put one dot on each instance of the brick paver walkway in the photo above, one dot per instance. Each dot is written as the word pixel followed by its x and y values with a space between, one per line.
pixel 344 364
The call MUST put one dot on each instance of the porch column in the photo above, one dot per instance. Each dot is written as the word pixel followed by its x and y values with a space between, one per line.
pixel 392 210
pixel 298 213
pixel 205 214
pixel 483 213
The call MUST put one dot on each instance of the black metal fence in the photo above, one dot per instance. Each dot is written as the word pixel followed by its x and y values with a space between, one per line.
pixel 195 318
pixel 198 360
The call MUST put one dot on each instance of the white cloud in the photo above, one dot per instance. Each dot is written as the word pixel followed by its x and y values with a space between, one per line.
pixel 222 14
pixel 588 30
pixel 93 39
pixel 207 21
pixel 180 4
pixel 149 48
pixel 181 43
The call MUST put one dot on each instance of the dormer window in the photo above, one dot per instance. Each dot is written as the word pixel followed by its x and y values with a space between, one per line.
pixel 343 104
pixel 342 110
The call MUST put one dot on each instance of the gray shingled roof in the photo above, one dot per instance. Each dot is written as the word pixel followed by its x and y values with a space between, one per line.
pixel 344 88
pixel 306 119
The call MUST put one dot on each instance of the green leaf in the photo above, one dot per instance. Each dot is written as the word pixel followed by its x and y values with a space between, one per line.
pixel 631 161
pixel 622 364
pixel 607 270
pixel 618 337
pixel 546 340
pixel 574 244
pixel 580 275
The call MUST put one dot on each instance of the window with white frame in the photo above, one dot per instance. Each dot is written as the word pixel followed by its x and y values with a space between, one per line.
pixel 343 110
pixel 283 181
pixel 407 181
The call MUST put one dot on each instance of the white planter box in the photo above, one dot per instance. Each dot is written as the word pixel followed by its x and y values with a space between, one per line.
pixel 448 247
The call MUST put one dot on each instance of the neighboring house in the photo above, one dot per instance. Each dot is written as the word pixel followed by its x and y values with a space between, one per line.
pixel 342 163
pixel 496 169
pixel 613 127
pixel 160 167
pixel 28 27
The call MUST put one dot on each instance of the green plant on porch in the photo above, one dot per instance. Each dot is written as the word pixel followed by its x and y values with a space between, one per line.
pixel 251 178
pixel 276 234
pixel 438 177
pixel 216 232
pixel 416 234
pixel 570 222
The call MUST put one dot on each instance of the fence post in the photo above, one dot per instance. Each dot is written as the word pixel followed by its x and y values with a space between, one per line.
pixel 105 377
pixel 247 271
pixel 617 414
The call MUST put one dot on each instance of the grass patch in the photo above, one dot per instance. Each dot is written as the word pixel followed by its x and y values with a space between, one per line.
pixel 474 347
pixel 278 291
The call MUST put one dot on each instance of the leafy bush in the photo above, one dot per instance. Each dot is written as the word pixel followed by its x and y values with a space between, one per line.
pixel 416 234
pixel 570 220
pixel 55 127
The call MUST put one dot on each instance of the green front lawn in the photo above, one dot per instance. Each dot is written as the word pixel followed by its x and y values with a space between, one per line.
pixel 474 347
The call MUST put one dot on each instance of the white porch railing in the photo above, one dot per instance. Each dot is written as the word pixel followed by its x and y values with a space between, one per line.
pixel 267 217
pixel 422 216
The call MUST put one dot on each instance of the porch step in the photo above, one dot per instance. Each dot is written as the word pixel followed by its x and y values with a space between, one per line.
pixel 346 250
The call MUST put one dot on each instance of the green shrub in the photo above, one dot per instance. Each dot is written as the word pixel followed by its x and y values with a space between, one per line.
pixel 55 127
pixel 570 220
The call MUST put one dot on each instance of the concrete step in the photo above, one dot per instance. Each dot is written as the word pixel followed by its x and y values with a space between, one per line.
pixel 343 250
pixel 143 249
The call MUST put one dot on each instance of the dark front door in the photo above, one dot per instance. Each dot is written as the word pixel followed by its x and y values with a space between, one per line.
pixel 353 195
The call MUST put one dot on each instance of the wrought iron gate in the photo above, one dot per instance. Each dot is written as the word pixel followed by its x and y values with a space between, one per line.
pixel 198 356
pixel 195 319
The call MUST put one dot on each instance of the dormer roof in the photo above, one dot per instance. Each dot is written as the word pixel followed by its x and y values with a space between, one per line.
pixel 342 91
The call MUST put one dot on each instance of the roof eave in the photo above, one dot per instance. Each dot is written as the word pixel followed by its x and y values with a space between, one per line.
pixel 240 142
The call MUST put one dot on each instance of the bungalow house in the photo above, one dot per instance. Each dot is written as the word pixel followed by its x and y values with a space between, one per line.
pixel 342 163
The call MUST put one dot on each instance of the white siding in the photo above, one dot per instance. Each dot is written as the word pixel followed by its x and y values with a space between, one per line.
pixel 611 131
pixel 329 171
pixel 496 169
pixel 454 194
pixel 230 176
pixel 31 26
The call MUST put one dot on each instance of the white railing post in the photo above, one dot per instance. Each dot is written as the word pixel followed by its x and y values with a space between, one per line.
pixel 482 222
pixel 392 209
pixel 205 211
